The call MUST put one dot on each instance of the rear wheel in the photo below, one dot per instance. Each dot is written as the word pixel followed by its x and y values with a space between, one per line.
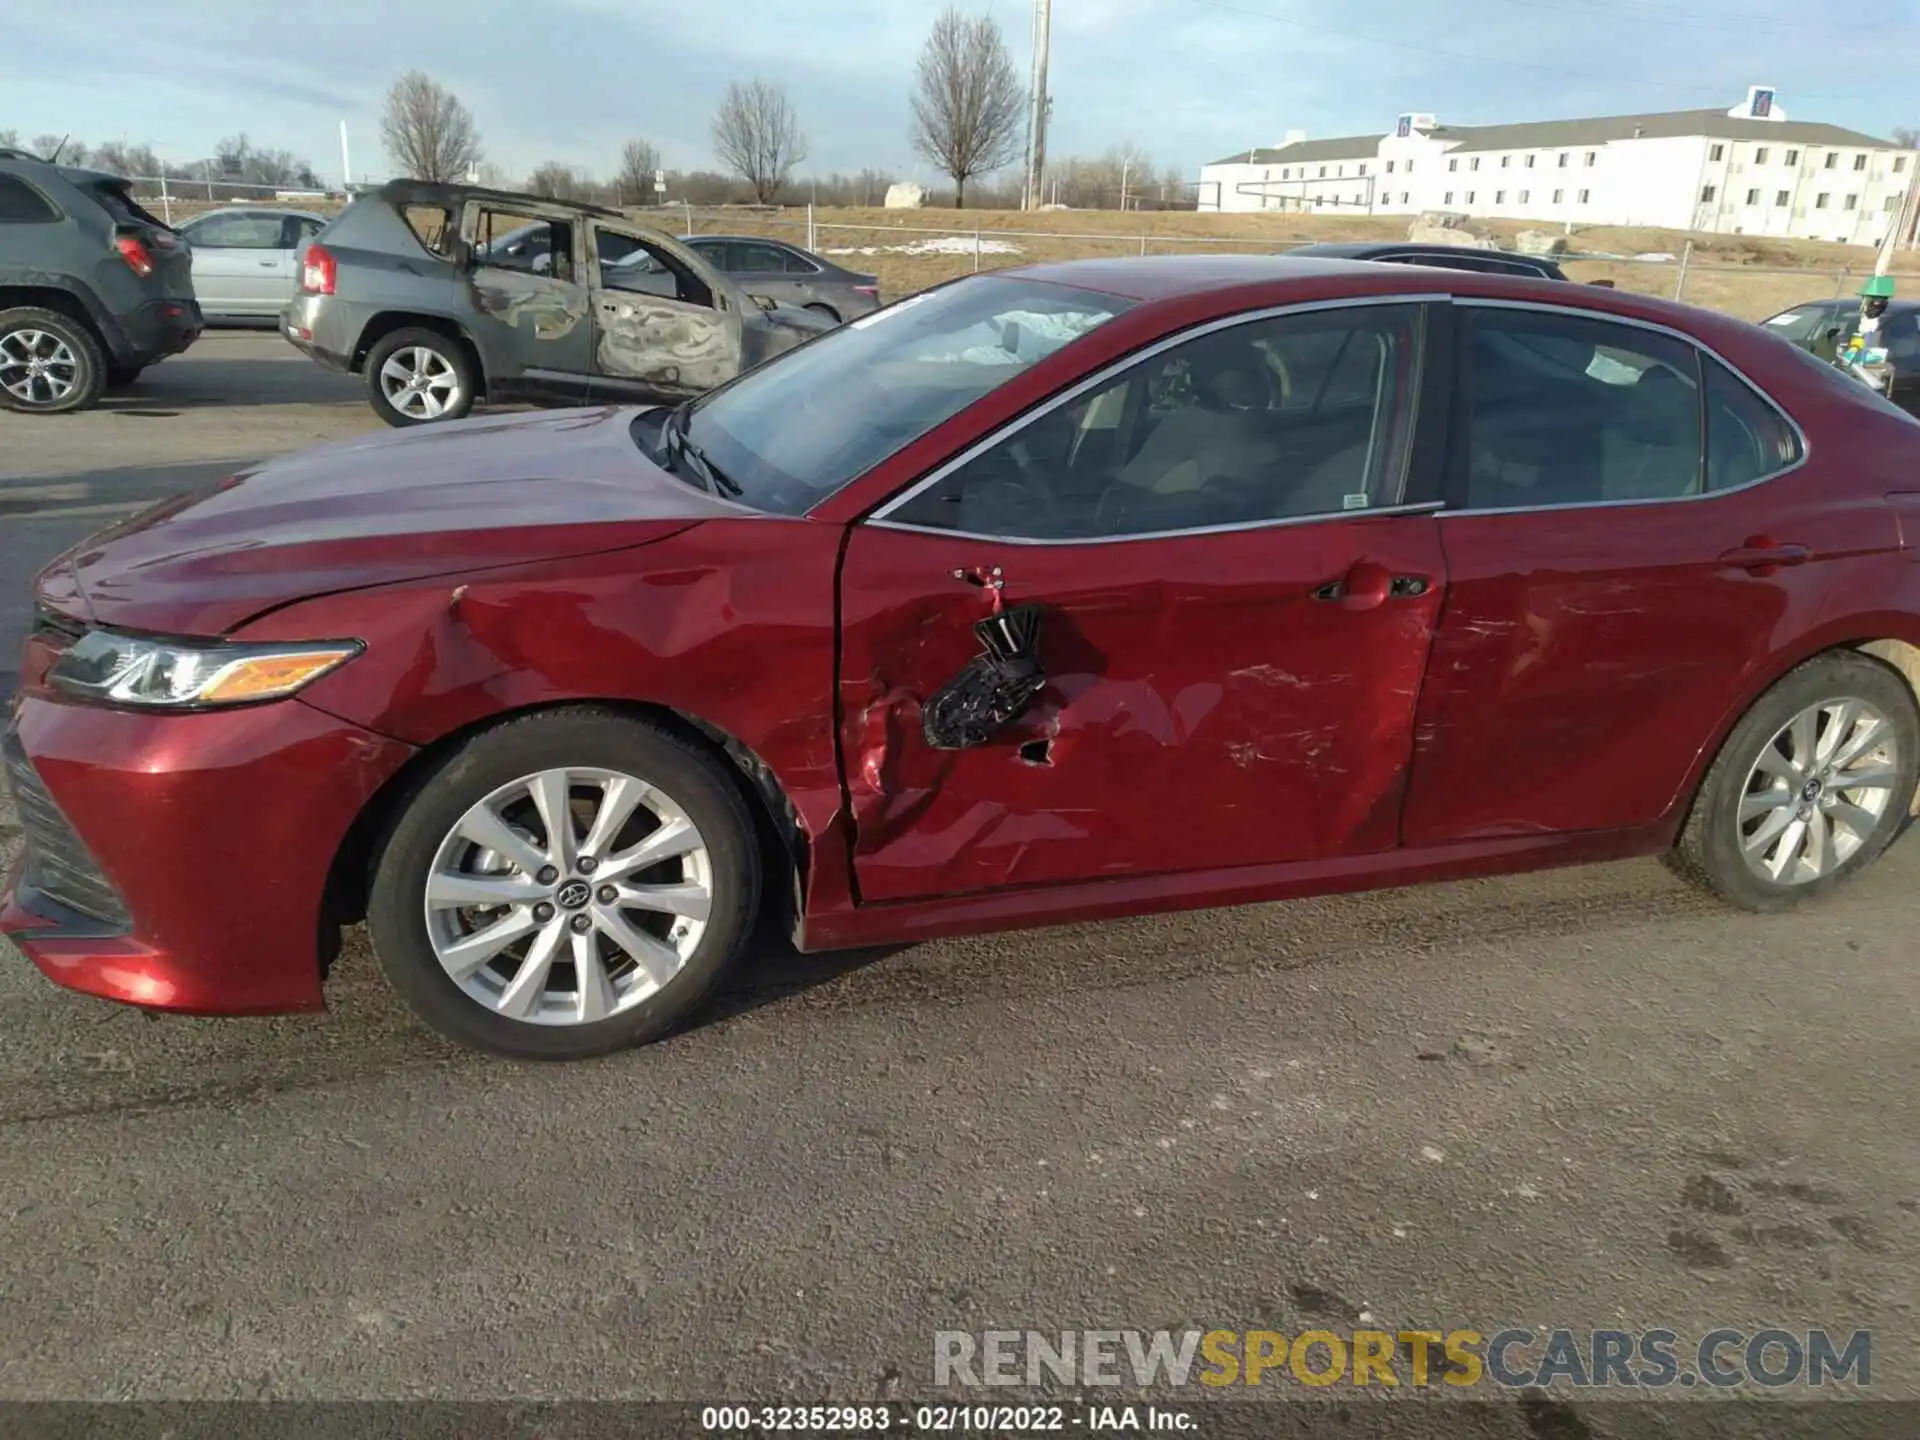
pixel 826 310
pixel 416 376
pixel 49 363
pixel 1812 785
pixel 565 885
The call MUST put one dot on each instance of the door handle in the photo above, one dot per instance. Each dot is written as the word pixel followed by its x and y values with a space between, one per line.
pixel 1762 555
pixel 1365 587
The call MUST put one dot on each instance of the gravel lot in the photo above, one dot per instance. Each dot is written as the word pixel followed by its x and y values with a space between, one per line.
pixel 1585 1099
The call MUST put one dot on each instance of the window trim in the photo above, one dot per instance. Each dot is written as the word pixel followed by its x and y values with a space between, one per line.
pixel 1422 384
pixel 1701 349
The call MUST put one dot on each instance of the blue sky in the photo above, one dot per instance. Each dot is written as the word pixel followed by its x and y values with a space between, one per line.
pixel 1188 80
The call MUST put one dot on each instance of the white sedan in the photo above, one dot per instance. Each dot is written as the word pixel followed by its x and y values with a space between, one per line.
pixel 246 260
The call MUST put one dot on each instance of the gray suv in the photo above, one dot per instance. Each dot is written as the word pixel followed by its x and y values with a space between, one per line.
pixel 93 289
pixel 443 295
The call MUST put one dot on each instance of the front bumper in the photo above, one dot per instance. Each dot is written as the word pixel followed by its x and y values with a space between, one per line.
pixel 180 862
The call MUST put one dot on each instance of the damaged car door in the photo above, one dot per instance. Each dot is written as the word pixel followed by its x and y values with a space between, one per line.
pixel 664 327
pixel 530 303
pixel 1209 577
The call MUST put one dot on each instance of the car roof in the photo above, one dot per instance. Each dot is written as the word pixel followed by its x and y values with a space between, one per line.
pixel 432 192
pixel 1362 249
pixel 756 239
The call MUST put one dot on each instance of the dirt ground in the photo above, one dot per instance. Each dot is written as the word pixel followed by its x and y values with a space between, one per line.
pixel 1745 275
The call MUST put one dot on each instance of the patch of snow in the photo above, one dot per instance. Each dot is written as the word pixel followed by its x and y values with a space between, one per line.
pixel 932 245
pixel 1659 255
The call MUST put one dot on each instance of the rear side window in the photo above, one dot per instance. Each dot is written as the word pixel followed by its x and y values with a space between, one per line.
pixel 1747 439
pixel 432 226
pixel 1799 324
pixel 21 204
pixel 1567 410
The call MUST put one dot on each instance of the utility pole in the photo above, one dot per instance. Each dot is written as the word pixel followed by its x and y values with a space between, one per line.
pixel 346 162
pixel 1033 194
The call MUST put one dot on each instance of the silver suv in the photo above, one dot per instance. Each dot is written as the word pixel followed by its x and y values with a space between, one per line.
pixel 443 295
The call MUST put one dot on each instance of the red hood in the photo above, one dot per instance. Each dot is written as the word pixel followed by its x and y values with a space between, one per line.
pixel 440 499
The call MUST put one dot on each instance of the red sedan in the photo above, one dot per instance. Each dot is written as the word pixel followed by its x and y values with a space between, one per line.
pixel 1060 593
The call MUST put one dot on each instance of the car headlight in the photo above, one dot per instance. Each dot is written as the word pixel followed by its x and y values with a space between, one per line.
pixel 157 674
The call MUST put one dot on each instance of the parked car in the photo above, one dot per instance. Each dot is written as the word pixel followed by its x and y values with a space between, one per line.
pixel 440 297
pixel 93 289
pixel 1446 257
pixel 246 261
pixel 790 275
pixel 1822 327
pixel 1057 593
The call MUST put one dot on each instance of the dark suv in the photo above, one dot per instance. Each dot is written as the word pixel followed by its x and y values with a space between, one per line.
pixel 93 289
pixel 1444 257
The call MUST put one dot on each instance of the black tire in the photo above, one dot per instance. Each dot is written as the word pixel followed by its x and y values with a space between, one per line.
pixel 580 738
pixel 87 373
pixel 827 310
pixel 122 377
pixel 1708 853
pixel 450 352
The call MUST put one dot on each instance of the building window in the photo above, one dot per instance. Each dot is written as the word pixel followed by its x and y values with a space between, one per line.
pixel 1363 167
pixel 1859 162
pixel 1453 164
pixel 1338 171
pixel 1499 197
pixel 1753 197
pixel 1852 202
pixel 1529 162
pixel 1523 196
pixel 1286 174
pixel 1323 172
pixel 1563 159
pixel 1820 201
pixel 1474 164
pixel 1707 192
pixel 1403 197
pixel 1833 159
pixel 1899 164
pixel 1793 157
pixel 1505 161
pixel 1593 157
pixel 1760 156
pixel 1448 199
pixel 1782 197
pixel 1559 196
pixel 1469 197
pixel 1719 152
pixel 1389 167
pixel 1583 196
pixel 1892 207
pixel 1409 167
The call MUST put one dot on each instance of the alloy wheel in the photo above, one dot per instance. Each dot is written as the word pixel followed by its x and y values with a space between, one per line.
pixel 37 366
pixel 420 383
pixel 568 896
pixel 1820 790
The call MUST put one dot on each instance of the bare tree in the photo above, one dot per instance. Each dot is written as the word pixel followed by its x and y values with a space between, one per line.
pixel 1907 137
pixel 428 132
pixel 757 134
pixel 556 180
pixel 634 180
pixel 968 107
pixel 9 139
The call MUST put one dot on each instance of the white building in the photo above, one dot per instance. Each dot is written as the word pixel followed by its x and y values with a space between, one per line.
pixel 1749 170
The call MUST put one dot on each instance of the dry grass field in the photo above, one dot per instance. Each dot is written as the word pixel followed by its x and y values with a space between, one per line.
pixel 1749 276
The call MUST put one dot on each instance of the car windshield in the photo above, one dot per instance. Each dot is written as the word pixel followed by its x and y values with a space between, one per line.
pixel 795 431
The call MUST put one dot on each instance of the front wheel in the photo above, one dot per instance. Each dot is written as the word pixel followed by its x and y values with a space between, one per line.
pixel 1812 785
pixel 415 377
pixel 564 885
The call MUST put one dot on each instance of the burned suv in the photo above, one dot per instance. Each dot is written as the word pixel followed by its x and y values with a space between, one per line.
pixel 443 295
pixel 93 289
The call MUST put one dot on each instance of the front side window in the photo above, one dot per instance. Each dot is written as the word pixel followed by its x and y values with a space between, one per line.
pixel 790 434
pixel 1567 410
pixel 1285 418
pixel 237 232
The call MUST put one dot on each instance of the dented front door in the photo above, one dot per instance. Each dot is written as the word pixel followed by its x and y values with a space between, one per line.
pixel 663 328
pixel 1211 700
